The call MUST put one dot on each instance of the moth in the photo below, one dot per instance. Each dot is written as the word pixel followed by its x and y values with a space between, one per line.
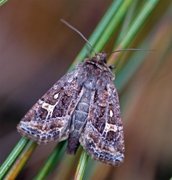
pixel 82 108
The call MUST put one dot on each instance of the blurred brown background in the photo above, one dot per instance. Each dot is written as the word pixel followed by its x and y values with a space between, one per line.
pixel 36 49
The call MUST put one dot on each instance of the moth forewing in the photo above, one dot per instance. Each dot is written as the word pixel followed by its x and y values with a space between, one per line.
pixel 49 119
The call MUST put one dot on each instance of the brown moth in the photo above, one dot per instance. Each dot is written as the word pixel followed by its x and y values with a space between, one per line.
pixel 82 108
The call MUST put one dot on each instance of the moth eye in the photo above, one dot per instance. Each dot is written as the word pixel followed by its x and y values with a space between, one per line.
pixel 111 67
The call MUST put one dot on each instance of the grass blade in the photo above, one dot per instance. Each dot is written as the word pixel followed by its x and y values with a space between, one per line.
pixel 112 25
pixel 135 27
pixel 53 159
pixel 2 2
pixel 94 38
pixel 127 21
pixel 139 22
pixel 13 156
pixel 21 161
pixel 81 166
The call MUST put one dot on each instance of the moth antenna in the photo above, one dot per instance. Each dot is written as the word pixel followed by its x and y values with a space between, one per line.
pixel 78 32
pixel 131 49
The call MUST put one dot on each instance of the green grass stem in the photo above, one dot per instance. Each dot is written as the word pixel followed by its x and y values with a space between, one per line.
pixel 81 166
pixel 21 160
pixel 2 2
pixel 51 162
pixel 99 30
pixel 5 167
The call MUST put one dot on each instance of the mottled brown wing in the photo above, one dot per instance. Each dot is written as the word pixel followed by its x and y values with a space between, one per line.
pixel 49 119
pixel 102 136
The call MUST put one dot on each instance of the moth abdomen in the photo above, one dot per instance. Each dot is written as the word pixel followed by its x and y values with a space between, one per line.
pixel 73 142
pixel 78 122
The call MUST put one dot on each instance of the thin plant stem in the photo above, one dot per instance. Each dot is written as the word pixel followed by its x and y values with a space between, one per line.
pixel 135 27
pixel 139 22
pixel 127 22
pixel 2 2
pixel 13 156
pixel 81 166
pixel 21 160
pixel 99 30
pixel 53 159
pixel 115 21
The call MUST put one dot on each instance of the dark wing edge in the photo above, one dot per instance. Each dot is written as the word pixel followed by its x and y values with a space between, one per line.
pixel 102 137
pixel 49 119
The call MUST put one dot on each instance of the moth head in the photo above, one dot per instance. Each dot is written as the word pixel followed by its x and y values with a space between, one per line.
pixel 101 57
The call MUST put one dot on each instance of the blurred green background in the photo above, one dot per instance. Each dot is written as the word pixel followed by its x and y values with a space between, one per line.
pixel 36 49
